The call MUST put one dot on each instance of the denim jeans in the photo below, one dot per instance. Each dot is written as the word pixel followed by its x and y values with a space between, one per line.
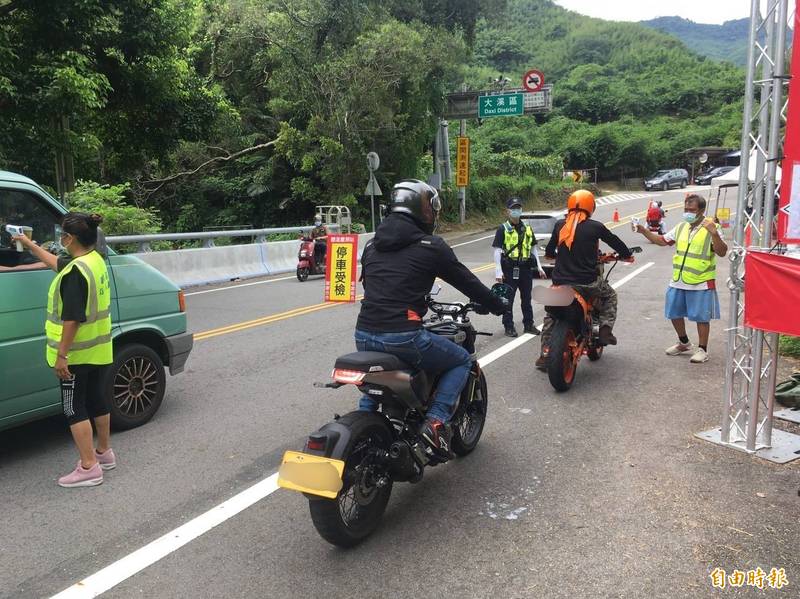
pixel 422 350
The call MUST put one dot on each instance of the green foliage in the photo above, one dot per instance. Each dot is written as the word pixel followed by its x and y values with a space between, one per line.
pixel 790 346
pixel 119 217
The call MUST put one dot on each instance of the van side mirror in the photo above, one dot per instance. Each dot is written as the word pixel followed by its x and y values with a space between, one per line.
pixel 101 246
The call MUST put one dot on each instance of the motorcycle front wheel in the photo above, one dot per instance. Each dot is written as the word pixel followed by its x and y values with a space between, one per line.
pixel 357 510
pixel 562 362
pixel 302 273
pixel 471 415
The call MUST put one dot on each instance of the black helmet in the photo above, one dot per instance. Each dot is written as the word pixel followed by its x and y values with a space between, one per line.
pixel 417 199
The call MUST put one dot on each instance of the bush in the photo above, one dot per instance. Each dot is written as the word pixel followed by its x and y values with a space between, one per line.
pixel 119 218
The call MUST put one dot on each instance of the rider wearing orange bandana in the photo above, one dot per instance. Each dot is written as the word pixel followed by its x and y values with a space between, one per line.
pixel 575 245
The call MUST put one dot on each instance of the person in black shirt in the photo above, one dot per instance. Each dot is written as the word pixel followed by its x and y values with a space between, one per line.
pixel 399 267
pixel 575 246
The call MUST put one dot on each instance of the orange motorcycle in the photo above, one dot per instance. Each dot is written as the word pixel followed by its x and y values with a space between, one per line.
pixel 575 332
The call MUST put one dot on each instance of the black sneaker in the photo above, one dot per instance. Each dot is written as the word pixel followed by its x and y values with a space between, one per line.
pixel 606 336
pixel 532 329
pixel 511 332
pixel 436 435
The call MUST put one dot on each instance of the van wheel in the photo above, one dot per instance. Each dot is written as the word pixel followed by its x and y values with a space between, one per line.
pixel 135 382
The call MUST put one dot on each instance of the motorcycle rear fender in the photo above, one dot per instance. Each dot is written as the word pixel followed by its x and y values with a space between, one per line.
pixel 411 389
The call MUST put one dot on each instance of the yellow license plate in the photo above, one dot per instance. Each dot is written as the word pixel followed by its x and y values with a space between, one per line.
pixel 311 474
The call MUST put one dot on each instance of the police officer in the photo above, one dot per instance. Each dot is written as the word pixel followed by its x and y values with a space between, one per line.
pixel 514 255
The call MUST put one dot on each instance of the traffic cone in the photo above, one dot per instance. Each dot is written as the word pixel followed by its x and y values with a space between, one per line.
pixel 616 215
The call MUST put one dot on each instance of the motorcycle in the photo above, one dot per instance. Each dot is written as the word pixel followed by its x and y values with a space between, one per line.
pixel 575 333
pixel 307 260
pixel 347 467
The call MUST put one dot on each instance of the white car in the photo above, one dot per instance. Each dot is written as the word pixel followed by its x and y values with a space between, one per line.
pixel 542 222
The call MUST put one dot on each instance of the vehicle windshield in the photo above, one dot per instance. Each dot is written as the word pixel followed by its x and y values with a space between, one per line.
pixel 657 174
pixel 541 225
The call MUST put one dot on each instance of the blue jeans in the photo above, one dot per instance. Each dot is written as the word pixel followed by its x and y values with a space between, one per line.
pixel 424 351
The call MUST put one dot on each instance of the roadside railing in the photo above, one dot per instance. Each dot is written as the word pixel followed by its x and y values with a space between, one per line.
pixel 207 237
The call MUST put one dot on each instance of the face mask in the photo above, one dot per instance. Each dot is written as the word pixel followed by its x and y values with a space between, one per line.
pixel 689 217
pixel 515 212
pixel 317 223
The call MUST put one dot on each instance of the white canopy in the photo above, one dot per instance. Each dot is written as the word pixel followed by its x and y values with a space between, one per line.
pixel 733 176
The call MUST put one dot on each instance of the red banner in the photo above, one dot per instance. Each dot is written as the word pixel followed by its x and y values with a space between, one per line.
pixel 340 268
pixel 789 204
pixel 771 287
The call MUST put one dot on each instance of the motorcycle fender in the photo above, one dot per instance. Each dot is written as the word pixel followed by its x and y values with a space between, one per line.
pixel 337 437
pixel 304 263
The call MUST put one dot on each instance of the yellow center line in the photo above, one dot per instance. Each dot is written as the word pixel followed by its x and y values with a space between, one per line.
pixel 265 320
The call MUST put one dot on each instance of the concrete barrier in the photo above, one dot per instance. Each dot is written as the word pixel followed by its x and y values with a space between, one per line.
pixel 203 266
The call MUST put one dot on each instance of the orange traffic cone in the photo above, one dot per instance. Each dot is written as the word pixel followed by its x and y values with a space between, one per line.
pixel 616 215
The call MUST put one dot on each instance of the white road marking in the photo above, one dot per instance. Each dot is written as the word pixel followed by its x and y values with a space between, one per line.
pixel 458 245
pixel 122 569
pixel 135 562
pixel 237 286
pixel 620 197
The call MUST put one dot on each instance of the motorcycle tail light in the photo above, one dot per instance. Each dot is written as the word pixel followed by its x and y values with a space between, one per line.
pixel 316 442
pixel 348 377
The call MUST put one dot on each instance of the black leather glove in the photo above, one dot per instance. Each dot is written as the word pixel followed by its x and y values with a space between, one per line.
pixel 480 309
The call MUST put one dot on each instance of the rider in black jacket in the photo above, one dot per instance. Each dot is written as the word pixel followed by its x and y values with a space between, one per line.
pixel 399 267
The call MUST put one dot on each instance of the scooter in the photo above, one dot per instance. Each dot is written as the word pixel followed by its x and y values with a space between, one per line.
pixel 307 260
pixel 575 333
pixel 347 468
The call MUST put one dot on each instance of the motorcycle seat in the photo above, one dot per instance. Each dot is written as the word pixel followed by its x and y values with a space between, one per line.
pixel 370 361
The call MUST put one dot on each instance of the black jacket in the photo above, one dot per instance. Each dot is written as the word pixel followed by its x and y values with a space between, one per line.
pixel 578 265
pixel 399 267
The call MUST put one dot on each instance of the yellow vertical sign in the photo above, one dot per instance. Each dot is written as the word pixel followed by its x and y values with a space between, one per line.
pixel 340 268
pixel 462 162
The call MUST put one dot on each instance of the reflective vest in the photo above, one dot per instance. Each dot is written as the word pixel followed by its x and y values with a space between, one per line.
pixel 511 245
pixel 694 261
pixel 92 344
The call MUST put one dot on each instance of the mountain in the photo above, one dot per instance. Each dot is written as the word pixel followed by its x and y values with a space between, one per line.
pixel 719 42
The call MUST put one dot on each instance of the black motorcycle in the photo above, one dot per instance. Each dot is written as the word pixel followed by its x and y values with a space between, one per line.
pixel 347 467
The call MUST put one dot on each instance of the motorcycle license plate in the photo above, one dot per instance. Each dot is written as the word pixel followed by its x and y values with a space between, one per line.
pixel 312 474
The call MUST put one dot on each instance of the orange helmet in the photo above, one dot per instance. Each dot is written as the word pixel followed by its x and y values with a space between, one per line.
pixel 582 199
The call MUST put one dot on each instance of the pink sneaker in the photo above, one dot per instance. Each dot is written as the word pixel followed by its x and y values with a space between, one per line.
pixel 82 477
pixel 107 459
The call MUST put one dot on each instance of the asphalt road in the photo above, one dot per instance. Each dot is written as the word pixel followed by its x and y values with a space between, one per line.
pixel 599 492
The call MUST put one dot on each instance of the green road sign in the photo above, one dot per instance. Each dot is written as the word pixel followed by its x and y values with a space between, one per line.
pixel 500 105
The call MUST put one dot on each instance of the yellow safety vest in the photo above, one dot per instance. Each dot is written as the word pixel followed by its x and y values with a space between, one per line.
pixel 92 344
pixel 511 243
pixel 694 261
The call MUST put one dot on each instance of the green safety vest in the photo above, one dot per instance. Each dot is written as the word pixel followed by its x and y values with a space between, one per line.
pixel 511 244
pixel 92 344
pixel 694 261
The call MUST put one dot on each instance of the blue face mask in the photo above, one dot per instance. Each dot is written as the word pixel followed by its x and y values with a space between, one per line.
pixel 515 212
pixel 689 217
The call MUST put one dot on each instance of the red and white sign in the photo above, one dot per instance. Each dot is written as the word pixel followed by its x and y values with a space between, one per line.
pixel 533 80
pixel 789 204
pixel 771 288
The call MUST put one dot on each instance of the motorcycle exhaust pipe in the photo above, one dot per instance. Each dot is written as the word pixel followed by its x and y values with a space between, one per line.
pixel 401 462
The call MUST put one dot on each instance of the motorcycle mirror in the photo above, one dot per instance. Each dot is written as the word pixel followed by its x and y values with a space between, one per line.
pixel 435 289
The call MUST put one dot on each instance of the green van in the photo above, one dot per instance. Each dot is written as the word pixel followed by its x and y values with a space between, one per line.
pixel 147 314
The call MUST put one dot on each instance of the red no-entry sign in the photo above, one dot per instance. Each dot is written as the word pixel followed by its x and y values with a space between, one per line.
pixel 533 80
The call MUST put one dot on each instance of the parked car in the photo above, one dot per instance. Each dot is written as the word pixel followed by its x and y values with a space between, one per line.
pixel 147 314
pixel 705 178
pixel 665 179
pixel 542 222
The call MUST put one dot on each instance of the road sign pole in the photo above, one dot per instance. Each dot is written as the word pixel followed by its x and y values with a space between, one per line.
pixel 462 191
pixel 372 205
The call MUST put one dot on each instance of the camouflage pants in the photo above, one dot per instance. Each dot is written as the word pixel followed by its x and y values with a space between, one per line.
pixel 606 312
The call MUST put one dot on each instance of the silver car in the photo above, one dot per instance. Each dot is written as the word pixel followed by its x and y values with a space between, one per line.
pixel 542 222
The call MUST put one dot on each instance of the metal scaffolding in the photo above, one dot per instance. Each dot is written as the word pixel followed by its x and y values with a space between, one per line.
pixel 752 354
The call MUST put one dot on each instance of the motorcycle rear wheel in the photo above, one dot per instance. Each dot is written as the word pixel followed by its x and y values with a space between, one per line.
pixel 357 510
pixel 302 273
pixel 561 362
pixel 471 415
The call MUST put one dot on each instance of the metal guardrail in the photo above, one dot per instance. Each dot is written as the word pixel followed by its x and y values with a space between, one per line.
pixel 208 237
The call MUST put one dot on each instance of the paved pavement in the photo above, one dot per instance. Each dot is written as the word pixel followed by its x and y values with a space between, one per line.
pixel 599 492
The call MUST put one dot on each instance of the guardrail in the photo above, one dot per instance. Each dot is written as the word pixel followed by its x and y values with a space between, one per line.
pixel 208 237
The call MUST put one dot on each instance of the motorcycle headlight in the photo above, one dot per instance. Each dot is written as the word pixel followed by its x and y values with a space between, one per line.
pixel 303 254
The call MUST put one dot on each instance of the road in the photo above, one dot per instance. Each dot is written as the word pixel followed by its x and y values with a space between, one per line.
pixel 599 492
